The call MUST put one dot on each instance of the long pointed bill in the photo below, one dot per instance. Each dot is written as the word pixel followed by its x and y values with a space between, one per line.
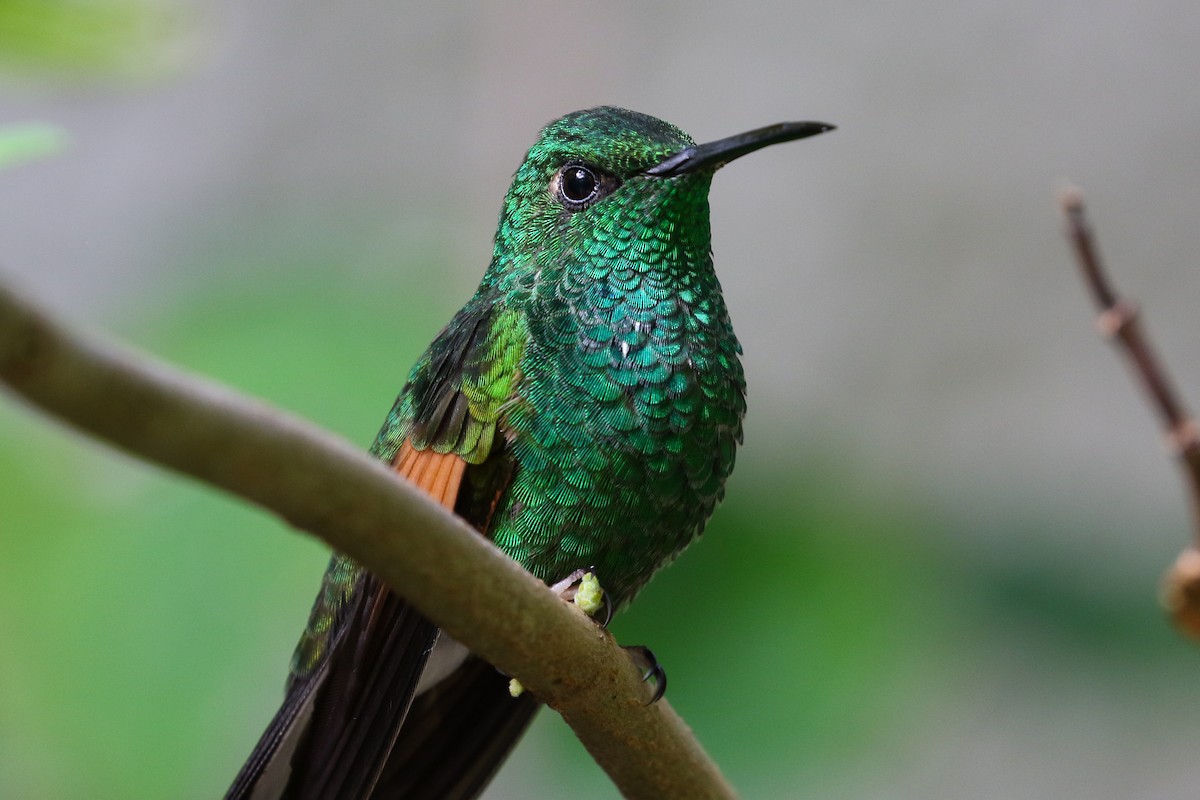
pixel 714 155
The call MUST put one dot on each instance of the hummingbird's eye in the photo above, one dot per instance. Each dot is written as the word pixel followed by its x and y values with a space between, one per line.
pixel 578 186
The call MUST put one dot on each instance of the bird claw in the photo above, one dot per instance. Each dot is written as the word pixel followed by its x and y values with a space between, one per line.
pixel 608 609
pixel 644 658
pixel 569 589
pixel 583 581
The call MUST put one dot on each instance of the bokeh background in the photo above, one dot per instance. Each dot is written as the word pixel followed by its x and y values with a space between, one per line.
pixel 935 574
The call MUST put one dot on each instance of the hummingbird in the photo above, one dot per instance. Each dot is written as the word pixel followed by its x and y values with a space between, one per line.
pixel 581 411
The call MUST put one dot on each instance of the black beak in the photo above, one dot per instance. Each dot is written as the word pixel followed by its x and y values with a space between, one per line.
pixel 714 155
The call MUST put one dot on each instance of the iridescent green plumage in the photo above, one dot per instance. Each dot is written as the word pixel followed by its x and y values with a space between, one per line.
pixel 624 420
pixel 593 388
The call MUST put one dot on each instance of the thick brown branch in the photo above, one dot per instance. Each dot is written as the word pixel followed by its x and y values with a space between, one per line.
pixel 330 489
pixel 1118 320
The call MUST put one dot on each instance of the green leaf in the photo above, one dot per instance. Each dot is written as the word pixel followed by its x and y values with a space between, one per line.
pixel 90 39
pixel 29 141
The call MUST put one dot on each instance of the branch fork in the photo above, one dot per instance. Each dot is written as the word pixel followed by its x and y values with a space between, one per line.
pixel 1118 320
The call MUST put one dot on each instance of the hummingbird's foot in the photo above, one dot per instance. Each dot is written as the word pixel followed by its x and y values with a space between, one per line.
pixel 582 587
pixel 645 660
pixel 568 586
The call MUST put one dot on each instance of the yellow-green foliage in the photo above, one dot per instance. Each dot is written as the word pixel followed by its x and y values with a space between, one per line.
pixel 81 38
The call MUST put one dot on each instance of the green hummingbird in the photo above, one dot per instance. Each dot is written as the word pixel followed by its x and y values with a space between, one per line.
pixel 581 411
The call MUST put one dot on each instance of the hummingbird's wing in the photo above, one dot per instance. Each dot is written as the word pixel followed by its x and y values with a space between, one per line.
pixel 359 663
pixel 456 736
pixel 364 696
pixel 459 731
pixel 354 674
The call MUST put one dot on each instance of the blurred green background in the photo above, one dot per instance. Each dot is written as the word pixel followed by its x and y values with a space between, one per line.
pixel 935 573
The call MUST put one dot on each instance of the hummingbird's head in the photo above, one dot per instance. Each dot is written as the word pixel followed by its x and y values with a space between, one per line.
pixel 610 184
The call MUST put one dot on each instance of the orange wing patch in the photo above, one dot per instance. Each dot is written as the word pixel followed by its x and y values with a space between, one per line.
pixel 439 474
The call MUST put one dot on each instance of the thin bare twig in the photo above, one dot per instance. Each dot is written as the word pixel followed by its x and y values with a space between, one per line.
pixel 1119 320
pixel 330 489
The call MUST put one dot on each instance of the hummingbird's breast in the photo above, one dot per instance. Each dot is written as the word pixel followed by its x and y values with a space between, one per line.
pixel 630 411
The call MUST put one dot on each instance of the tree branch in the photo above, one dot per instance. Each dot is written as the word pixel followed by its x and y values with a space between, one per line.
pixel 1119 321
pixel 325 486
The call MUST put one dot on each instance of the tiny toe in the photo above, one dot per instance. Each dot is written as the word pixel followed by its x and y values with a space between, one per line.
pixel 567 586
